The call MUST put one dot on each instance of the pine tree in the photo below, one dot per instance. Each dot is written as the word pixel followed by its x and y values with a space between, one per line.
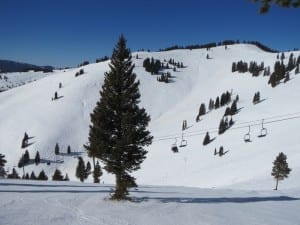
pixel 206 139
pixel 2 164
pixel 118 131
pixel 25 141
pixel 13 175
pixel 217 102
pixel 37 158
pixel 26 157
pixel 215 152
pixel 42 176
pixel 221 151
pixel 202 110
pixel 81 170
pixel 233 108
pixel 97 173
pixel 280 169
pixel 287 77
pixel 56 149
pixel 32 176
pixel 57 175
pixel 88 169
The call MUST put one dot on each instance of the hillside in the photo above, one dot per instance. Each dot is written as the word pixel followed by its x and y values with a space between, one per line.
pixel 246 165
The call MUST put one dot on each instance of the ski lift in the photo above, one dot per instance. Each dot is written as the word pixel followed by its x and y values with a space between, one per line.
pixel 263 131
pixel 174 147
pixel 247 136
pixel 183 142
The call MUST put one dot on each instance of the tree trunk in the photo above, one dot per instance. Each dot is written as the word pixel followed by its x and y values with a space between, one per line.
pixel 120 191
pixel 276 184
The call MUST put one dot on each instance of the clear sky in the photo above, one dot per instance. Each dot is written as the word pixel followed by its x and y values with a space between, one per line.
pixel 66 32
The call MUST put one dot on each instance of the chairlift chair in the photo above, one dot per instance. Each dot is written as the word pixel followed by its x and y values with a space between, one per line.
pixel 263 131
pixel 247 136
pixel 174 147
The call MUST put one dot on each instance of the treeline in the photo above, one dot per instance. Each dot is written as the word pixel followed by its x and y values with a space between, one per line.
pixel 222 43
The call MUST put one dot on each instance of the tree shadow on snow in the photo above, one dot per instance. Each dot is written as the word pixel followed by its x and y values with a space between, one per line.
pixel 217 200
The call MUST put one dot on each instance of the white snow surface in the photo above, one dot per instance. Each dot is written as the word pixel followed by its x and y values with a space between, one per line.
pixel 51 203
pixel 246 165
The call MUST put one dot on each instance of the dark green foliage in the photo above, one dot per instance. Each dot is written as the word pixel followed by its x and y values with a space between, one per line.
pixel 56 149
pixel 164 77
pixel 26 157
pixel 233 68
pixel 287 77
pixel 37 158
pixel 81 170
pixel 237 98
pixel 69 149
pixel 291 64
pixel 118 131
pixel 211 104
pixel 202 110
pixel 27 176
pixel 97 173
pixel 152 65
pixel 2 164
pixel 88 169
pixel 267 71
pixel 13 175
pixel 222 126
pixel 25 141
pixel 32 176
pixel 280 169
pixel 215 152
pixel 272 80
pixel 227 111
pixel 206 139
pixel 42 176
pixel 217 103
pixel 256 98
pixel 233 108
pixel 221 151
pixel 57 176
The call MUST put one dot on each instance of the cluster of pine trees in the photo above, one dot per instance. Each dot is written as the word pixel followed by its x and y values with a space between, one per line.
pixel 220 152
pixel 152 65
pixel 225 124
pixel 164 77
pixel 80 72
pixel 281 71
pixel 175 64
pixel 253 68
pixel 221 101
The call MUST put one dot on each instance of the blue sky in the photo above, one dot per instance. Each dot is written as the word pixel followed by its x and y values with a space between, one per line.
pixel 67 32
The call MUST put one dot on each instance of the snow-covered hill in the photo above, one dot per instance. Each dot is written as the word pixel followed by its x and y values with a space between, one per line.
pixel 246 165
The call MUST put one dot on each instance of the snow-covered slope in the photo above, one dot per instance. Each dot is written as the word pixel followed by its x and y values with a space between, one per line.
pixel 65 121
pixel 34 203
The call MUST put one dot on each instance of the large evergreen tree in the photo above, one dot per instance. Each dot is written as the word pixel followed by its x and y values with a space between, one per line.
pixel 280 169
pixel 118 131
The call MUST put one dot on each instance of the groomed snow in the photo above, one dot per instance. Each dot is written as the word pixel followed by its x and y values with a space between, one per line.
pixel 51 203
